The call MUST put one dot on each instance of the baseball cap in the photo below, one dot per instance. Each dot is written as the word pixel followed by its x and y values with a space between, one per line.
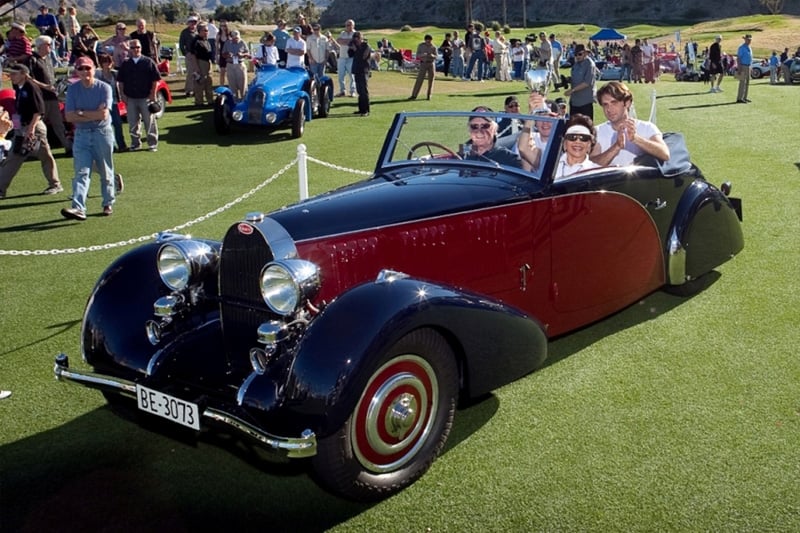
pixel 83 61
pixel 192 19
pixel 18 68
pixel 748 36
pixel 297 29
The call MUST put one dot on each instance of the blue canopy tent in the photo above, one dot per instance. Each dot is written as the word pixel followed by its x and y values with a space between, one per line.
pixel 607 34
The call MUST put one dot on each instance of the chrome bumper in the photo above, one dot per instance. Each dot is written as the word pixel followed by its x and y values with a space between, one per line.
pixel 292 447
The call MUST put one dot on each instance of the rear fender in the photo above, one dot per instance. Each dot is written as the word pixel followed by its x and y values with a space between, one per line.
pixel 705 233
pixel 495 344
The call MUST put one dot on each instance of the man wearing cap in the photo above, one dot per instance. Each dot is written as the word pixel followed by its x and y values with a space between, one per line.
pixel 623 138
pixel 317 45
pixel 236 53
pixel 88 108
pixel 581 94
pixel 296 49
pixel 426 55
pixel 138 79
pixel 744 57
pixel 46 22
pixel 506 126
pixel 185 45
pixel 715 64
pixel 43 75
pixel 147 39
pixel 305 27
pixel 482 131
pixel 18 46
pixel 30 133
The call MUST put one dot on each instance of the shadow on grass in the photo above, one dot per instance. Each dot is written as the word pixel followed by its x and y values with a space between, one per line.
pixel 101 473
pixel 57 329
pixel 652 306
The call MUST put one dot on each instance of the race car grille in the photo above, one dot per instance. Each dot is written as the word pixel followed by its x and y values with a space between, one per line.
pixel 243 255
pixel 255 107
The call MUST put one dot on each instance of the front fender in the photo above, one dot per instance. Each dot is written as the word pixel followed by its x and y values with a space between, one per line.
pixel 705 233
pixel 495 344
pixel 223 90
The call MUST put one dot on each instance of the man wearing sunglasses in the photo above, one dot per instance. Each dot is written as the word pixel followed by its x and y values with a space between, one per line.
pixel 88 107
pixel 623 138
pixel 482 130
pixel 581 94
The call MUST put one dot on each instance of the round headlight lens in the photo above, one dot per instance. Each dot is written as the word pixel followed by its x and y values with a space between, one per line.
pixel 237 116
pixel 286 285
pixel 173 267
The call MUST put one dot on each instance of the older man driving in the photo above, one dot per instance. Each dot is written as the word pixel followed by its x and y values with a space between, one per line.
pixel 483 135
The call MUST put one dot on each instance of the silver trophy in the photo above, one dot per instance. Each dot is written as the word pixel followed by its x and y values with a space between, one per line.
pixel 537 79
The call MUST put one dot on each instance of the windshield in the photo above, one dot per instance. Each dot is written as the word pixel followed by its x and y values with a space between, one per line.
pixel 519 143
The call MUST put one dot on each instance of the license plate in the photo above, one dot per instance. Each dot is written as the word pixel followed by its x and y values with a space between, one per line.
pixel 169 407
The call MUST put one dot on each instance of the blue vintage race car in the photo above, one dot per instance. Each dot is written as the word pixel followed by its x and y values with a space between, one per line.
pixel 276 96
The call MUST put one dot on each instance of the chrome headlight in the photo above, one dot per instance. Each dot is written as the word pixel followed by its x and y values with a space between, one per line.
pixel 270 117
pixel 237 115
pixel 184 262
pixel 286 285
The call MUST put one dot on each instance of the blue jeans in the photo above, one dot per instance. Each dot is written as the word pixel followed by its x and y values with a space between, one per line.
pixel 457 66
pixel 93 147
pixel 345 66
pixel 116 123
pixel 478 56
pixel 625 73
pixel 317 70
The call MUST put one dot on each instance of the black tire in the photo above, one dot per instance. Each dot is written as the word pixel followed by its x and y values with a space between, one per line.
pixel 378 452
pixel 161 98
pixel 299 119
pixel 756 73
pixel 324 103
pixel 222 115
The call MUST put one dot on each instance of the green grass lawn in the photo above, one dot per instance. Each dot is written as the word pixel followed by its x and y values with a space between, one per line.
pixel 672 415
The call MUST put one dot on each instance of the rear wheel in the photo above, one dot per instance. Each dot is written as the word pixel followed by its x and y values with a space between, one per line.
pixel 324 100
pixel 222 115
pixel 399 425
pixel 299 119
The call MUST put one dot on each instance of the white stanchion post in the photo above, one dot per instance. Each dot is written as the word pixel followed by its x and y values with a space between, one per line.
pixel 653 107
pixel 302 170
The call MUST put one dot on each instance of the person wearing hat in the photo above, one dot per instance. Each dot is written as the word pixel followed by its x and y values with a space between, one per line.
pixel 426 55
pixel 236 54
pixel 30 133
pixel 18 46
pixel 715 68
pixel 579 140
pixel 744 57
pixel 46 22
pixel 88 107
pixel 44 76
pixel 185 40
pixel 296 49
pixel 482 129
pixel 137 80
pixel 508 128
pixel 581 94
pixel 305 27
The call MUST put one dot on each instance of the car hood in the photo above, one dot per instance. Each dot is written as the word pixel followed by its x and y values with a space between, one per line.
pixel 401 196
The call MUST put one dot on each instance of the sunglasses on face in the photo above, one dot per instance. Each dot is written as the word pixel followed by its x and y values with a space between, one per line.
pixel 512 105
pixel 480 127
pixel 83 69
pixel 578 137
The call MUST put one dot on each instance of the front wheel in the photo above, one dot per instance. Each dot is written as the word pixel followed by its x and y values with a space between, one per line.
pixel 299 119
pixel 161 98
pixel 324 100
pixel 399 425
pixel 222 115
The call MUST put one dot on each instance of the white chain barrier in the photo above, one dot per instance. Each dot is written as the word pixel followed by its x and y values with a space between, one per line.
pixel 300 160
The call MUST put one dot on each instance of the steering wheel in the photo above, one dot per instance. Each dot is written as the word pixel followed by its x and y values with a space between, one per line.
pixel 430 145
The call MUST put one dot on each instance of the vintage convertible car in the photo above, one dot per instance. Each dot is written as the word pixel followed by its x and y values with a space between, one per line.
pixel 347 327
pixel 759 70
pixel 275 97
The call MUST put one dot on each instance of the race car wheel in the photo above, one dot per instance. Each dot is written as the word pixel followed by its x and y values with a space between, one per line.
pixel 298 119
pixel 222 115
pixel 324 103
pixel 756 73
pixel 399 425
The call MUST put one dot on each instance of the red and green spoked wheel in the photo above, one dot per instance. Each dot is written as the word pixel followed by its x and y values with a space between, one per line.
pixel 395 413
